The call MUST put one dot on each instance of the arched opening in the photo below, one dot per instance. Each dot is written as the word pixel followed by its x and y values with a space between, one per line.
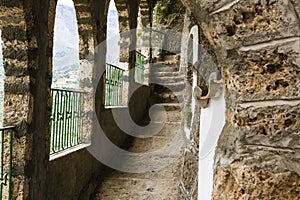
pixel 113 35
pixel 67 114
pixel 65 47
pixel 115 87
pixel 1 83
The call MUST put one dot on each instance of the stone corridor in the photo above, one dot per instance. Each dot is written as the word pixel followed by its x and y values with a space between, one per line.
pixel 249 47
pixel 163 184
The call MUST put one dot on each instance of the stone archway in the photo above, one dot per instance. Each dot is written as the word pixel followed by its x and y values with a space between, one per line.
pixel 65 72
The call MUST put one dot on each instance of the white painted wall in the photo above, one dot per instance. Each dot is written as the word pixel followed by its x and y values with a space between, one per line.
pixel 184 63
pixel 212 122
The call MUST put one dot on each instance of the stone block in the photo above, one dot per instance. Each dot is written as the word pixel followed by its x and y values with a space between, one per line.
pixel 264 72
pixel 270 120
pixel 244 182
pixel 250 22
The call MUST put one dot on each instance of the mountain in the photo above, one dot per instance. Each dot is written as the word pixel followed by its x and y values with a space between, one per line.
pixel 66 45
pixel 66 41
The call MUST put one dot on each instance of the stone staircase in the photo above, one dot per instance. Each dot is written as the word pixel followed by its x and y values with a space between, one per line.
pixel 154 185
pixel 170 83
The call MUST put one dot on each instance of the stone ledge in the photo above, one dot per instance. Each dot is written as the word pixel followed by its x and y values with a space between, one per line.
pixel 68 151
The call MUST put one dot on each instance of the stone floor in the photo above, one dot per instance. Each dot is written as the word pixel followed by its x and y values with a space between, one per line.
pixel 155 185
pixel 163 184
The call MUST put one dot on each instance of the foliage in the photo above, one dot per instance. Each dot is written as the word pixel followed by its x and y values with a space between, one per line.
pixel 161 12
pixel 168 12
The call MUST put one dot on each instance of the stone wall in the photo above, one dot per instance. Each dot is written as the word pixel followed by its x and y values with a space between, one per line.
pixel 27 35
pixel 189 171
pixel 27 50
pixel 257 47
pixel 85 171
pixel 72 175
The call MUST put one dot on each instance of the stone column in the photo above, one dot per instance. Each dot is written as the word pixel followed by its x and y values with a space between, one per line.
pixel 124 26
pixel 87 44
pixel 27 53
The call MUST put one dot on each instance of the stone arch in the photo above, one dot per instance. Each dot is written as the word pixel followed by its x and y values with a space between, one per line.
pixel 113 35
pixel 66 42
pixel 92 24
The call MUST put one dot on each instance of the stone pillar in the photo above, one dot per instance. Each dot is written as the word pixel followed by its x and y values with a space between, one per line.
pixel 86 29
pixel 145 21
pixel 27 54
pixel 124 26
pixel 257 47
pixel 145 37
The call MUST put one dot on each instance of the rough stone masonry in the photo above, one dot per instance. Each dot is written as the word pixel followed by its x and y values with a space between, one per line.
pixel 257 44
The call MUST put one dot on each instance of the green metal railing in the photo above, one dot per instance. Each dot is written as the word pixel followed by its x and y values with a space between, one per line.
pixel 6 162
pixel 114 85
pixel 66 120
pixel 139 67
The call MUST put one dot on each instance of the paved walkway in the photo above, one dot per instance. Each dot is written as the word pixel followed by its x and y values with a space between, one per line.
pixel 154 185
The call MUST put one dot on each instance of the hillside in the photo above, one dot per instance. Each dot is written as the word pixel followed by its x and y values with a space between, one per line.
pixel 65 49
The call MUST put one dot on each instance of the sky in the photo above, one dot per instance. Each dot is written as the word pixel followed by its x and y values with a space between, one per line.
pixel 66 2
pixel 112 5
pixel 70 3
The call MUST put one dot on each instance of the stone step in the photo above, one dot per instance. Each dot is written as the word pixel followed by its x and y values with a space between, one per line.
pixel 170 129
pixel 154 143
pixel 171 57
pixel 170 62
pixel 168 172
pixel 165 129
pixel 164 68
pixel 170 87
pixel 171 106
pixel 171 116
pixel 167 74
pixel 138 189
pixel 163 80
pixel 169 97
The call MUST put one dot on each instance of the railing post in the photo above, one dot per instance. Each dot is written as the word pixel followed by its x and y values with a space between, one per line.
pixel 6 162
